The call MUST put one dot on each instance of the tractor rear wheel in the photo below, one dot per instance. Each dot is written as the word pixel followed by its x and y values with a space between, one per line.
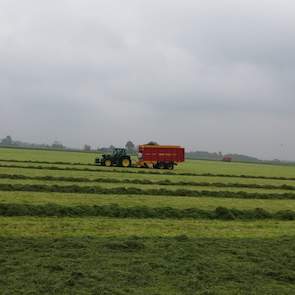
pixel 125 163
pixel 108 163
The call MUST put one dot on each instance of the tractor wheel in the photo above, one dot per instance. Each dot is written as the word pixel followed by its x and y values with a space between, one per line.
pixel 125 163
pixel 108 163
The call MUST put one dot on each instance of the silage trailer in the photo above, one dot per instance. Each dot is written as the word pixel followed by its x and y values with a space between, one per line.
pixel 149 156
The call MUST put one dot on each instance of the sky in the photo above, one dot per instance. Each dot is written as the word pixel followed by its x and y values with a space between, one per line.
pixel 209 75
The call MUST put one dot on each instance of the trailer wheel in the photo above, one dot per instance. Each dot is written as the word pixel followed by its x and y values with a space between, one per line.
pixel 161 165
pixel 108 163
pixel 169 166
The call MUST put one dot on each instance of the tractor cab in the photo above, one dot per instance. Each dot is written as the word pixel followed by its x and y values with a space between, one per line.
pixel 118 157
pixel 117 152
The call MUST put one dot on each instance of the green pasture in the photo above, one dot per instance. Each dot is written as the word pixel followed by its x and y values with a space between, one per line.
pixel 218 167
pixel 46 155
pixel 52 165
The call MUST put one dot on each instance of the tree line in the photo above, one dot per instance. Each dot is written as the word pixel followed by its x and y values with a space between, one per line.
pixel 57 145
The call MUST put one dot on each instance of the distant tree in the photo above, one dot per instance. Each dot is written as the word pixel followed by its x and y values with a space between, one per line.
pixel 152 143
pixel 87 147
pixel 111 147
pixel 130 146
pixel 57 145
pixel 7 140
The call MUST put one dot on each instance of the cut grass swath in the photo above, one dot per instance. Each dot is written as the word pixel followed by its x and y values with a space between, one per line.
pixel 114 210
pixel 139 191
pixel 148 182
pixel 146 171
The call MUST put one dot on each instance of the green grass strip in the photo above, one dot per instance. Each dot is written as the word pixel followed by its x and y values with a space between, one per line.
pixel 139 191
pixel 47 162
pixel 114 210
pixel 133 265
pixel 148 182
pixel 37 227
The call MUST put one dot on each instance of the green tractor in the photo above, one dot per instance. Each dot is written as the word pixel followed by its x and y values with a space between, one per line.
pixel 118 157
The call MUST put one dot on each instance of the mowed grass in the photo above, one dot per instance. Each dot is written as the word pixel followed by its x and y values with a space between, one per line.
pixel 149 201
pixel 156 265
pixel 216 167
pixel 117 227
pixel 145 186
pixel 47 156
pixel 173 178
pixel 150 256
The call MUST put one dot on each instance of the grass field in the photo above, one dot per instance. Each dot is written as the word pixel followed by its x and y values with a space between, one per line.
pixel 205 228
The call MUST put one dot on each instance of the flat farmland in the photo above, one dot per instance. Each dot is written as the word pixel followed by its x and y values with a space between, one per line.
pixel 70 227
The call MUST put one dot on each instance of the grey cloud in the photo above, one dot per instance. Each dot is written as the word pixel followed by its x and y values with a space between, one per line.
pixel 104 72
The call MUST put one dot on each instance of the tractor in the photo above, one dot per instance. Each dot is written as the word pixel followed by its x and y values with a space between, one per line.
pixel 118 157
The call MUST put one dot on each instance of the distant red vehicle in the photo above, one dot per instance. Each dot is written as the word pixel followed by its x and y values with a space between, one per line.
pixel 227 159
pixel 160 156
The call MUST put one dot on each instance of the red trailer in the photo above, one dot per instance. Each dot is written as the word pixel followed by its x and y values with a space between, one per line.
pixel 160 156
pixel 227 159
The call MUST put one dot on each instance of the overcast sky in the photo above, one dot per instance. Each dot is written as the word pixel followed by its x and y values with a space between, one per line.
pixel 216 75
